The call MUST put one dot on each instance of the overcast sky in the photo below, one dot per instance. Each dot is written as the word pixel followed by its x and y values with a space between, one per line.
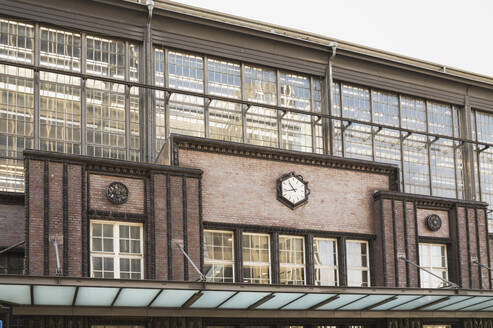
pixel 455 33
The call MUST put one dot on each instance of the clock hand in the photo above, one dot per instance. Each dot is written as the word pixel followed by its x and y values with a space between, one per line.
pixel 291 185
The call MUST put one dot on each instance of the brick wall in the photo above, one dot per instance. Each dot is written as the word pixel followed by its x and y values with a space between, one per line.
pixel 11 223
pixel 73 191
pixel 242 190
pixel 401 227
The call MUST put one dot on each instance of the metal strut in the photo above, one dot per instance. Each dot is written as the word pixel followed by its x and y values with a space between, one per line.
pixel 202 276
pixel 449 283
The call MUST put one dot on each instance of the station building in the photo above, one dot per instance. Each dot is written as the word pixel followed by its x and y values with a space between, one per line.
pixel 163 165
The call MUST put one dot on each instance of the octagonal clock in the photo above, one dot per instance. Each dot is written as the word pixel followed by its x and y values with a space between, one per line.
pixel 292 190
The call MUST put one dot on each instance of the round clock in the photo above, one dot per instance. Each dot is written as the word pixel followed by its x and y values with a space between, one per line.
pixel 433 222
pixel 292 190
pixel 116 193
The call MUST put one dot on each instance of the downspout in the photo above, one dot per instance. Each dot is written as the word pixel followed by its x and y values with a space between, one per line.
pixel 328 138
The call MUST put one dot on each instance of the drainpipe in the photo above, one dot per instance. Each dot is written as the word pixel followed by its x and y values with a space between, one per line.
pixel 328 137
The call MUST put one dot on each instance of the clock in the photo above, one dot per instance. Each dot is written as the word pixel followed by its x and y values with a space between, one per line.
pixel 117 193
pixel 292 190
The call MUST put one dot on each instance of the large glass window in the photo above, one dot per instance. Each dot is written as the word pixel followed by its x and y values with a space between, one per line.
pixel 16 124
pixel 60 49
pixel 218 256
pixel 325 261
pixel 433 257
pixel 16 41
pixel 482 126
pixel 256 258
pixel 12 263
pixel 292 260
pixel 60 114
pixel 116 250
pixel 358 264
pixel 224 79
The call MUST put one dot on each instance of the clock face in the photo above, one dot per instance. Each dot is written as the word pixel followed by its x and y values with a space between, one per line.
pixel 292 190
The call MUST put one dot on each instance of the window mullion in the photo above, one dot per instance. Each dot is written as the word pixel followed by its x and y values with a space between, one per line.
pixel 83 103
pixel 37 53
pixel 116 250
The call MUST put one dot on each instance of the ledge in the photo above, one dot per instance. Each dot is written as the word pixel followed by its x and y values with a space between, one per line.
pixel 110 165
pixel 429 201
pixel 274 154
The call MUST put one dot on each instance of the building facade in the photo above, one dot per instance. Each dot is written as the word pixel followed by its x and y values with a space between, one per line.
pixel 163 165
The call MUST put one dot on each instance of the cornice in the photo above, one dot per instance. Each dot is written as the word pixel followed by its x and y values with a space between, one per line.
pixel 273 154
pixel 111 166
pixel 429 201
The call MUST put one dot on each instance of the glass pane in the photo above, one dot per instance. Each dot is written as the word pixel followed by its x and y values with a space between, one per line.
pixel 60 49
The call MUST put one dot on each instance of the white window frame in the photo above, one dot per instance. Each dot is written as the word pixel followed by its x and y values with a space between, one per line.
pixel 222 262
pixel 432 268
pixel 360 268
pixel 116 255
pixel 258 264
pixel 294 265
pixel 327 267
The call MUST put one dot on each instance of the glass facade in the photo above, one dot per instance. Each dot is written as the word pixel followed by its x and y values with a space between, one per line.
pixel 77 93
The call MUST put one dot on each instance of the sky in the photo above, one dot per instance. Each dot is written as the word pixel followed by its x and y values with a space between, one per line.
pixel 453 33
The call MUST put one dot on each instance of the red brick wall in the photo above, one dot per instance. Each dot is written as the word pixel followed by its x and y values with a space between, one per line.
pixel 12 225
pixel 242 190
pixel 74 220
pixel 176 186
pixel 160 217
pixel 193 226
pixel 55 189
pixel 36 217
pixel 98 200
pixel 462 234
pixel 156 258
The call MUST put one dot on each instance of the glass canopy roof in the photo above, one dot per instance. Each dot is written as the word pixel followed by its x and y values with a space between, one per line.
pixel 83 292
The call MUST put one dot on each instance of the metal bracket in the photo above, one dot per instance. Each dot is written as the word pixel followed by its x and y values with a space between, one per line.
pixel 345 127
pixel 435 139
pixel 246 107
pixel 284 112
pixel 58 269
pixel 482 265
pixel 374 133
pixel 167 97
pixel 207 102
pixel 408 134
pixel 483 149
pixel 317 120
pixel 461 143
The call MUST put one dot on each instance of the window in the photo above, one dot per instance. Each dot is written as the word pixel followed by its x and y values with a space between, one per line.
pixel 433 257
pixel 325 261
pixel 218 256
pixel 116 250
pixel 292 260
pixel 256 258
pixel 12 263
pixel 358 268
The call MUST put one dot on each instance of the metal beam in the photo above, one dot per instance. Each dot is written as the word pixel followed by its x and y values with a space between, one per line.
pixel 192 300
pixel 244 314
pixel 261 301
pixel 327 301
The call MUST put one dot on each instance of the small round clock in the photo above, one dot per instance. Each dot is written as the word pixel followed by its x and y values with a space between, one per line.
pixel 117 193
pixel 292 190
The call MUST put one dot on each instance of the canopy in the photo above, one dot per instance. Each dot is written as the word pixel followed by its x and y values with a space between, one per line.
pixel 79 296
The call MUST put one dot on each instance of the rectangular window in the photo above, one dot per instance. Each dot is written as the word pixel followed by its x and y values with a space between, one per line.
pixel 116 250
pixel 433 257
pixel 325 261
pixel 218 256
pixel 358 266
pixel 60 49
pixel 292 260
pixel 60 115
pixel 16 41
pixel 256 258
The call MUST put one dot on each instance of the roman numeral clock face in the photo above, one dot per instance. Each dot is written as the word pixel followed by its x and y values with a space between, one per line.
pixel 292 190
